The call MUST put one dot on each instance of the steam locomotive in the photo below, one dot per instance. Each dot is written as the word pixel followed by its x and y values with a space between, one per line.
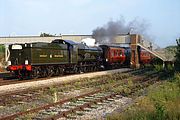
pixel 40 59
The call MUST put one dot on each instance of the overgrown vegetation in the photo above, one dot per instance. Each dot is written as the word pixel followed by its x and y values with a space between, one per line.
pixel 171 49
pixel 2 50
pixel 161 103
pixel 46 35
pixel 170 52
pixel 177 63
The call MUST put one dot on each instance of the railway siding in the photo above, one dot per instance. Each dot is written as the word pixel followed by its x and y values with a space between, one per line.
pixel 7 89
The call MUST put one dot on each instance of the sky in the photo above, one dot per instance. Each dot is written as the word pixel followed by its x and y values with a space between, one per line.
pixel 31 17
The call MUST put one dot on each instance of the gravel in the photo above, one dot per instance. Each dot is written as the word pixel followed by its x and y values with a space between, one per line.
pixel 53 81
pixel 101 110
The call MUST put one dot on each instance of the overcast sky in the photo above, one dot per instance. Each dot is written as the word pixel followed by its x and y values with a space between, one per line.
pixel 31 17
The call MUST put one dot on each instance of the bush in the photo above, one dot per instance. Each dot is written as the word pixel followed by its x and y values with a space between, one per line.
pixel 177 62
pixel 2 48
pixel 158 68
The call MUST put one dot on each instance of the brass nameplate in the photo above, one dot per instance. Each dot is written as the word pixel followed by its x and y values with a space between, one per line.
pixel 42 55
pixel 58 56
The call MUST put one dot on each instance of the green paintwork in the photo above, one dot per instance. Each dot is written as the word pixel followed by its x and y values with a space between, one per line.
pixel 87 53
pixel 40 53
pixel 59 52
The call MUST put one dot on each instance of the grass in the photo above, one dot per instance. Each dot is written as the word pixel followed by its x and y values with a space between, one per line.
pixel 2 48
pixel 2 62
pixel 161 103
pixel 1 51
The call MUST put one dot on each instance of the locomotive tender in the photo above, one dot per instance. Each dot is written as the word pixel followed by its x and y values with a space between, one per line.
pixel 41 59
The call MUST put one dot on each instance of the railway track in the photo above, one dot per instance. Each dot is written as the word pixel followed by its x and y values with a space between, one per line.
pixel 83 102
pixel 80 84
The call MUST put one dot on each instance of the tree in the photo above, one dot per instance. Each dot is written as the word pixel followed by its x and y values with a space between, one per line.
pixel 178 55
pixel 46 35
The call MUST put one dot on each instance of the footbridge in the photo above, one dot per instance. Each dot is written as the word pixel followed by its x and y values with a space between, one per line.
pixel 153 52
pixel 137 41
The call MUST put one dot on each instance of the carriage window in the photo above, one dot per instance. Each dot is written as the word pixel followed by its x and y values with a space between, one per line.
pixel 116 52
pixel 16 47
pixel 120 53
pixel 112 53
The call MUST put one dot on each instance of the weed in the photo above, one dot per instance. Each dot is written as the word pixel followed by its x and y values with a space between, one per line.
pixel 158 68
pixel 176 79
pixel 73 100
pixel 173 109
pixel 130 83
pixel 126 91
pixel 161 103
pixel 118 89
pixel 25 117
pixel 160 113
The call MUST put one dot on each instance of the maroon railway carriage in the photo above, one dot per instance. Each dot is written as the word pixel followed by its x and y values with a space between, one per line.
pixel 116 56
pixel 113 56
pixel 145 57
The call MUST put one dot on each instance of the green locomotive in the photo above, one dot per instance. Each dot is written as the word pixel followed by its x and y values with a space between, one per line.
pixel 41 59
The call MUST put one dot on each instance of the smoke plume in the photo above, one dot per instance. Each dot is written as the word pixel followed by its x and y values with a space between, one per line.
pixel 106 33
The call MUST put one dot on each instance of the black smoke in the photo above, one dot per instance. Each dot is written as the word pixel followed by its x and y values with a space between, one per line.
pixel 106 33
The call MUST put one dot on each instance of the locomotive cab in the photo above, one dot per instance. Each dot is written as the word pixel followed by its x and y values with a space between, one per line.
pixel 72 49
